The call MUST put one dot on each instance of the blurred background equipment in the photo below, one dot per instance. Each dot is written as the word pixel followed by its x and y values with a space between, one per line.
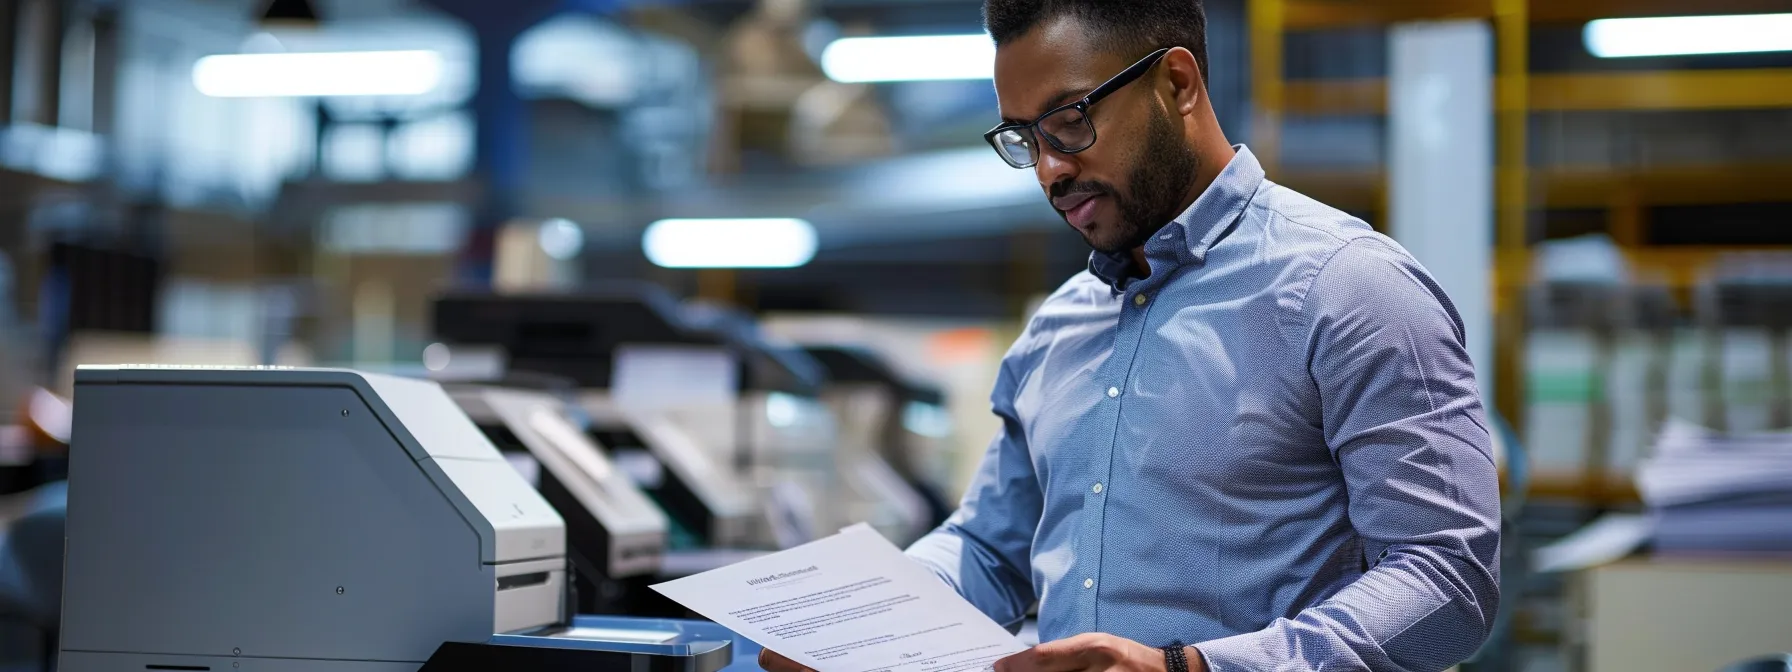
pixel 748 401
pixel 614 532
pixel 1764 664
pixel 441 555
pixel 719 276
pixel 899 421
pixel 708 502
pixel 31 574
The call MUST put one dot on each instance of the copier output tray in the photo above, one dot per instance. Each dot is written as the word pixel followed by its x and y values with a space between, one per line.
pixel 596 643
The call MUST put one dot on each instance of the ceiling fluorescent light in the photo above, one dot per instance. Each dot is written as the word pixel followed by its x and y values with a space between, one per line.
pixel 730 243
pixel 909 59
pixel 1689 35
pixel 348 73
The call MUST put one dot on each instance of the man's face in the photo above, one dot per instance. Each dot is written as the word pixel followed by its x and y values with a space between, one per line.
pixel 1132 181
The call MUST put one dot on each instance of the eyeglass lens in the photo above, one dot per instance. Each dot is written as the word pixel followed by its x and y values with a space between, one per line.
pixel 1016 146
pixel 1068 130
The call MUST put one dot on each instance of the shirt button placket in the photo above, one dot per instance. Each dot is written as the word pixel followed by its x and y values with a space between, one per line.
pixel 1126 350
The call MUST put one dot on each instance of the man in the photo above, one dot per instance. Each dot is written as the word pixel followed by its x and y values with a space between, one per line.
pixel 1250 433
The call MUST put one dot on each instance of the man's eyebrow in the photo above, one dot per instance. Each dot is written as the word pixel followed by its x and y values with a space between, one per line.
pixel 1065 96
pixel 1053 103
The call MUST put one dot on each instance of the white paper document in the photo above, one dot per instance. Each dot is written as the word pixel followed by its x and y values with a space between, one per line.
pixel 1608 539
pixel 848 603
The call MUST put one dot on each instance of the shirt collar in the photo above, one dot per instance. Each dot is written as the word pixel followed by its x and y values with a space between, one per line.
pixel 1186 239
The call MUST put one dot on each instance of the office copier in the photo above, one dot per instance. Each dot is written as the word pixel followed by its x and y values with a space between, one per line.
pixel 708 457
pixel 268 519
pixel 770 431
pixel 614 533
pixel 900 420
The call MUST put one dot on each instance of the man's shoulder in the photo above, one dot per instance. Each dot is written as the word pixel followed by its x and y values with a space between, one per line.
pixel 1302 237
pixel 1313 234
pixel 1082 290
pixel 1302 218
pixel 1359 270
pixel 1082 297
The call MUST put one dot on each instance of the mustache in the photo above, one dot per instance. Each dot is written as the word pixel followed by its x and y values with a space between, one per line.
pixel 1064 188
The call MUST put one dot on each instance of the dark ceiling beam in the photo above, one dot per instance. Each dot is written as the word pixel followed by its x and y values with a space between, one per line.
pixel 1331 14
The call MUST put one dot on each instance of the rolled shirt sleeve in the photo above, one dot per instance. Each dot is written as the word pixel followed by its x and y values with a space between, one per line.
pixel 1402 416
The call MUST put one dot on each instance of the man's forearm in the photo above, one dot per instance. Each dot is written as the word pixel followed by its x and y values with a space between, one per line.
pixel 1419 609
pixel 977 572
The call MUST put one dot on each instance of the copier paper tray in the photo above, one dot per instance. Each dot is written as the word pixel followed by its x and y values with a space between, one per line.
pixel 594 643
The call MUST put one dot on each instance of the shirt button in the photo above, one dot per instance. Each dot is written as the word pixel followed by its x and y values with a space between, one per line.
pixel 1088 583
pixel 1097 488
pixel 1139 300
pixel 1113 392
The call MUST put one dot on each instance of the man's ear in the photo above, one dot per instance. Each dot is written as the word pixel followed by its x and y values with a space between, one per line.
pixel 1186 85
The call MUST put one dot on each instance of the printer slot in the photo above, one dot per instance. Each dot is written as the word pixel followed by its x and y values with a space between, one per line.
pixel 638 552
pixel 522 580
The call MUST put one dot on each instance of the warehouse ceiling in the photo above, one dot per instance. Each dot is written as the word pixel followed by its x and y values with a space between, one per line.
pixel 917 177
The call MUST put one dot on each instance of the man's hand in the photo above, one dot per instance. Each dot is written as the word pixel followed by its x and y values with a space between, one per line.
pixel 1093 653
pixel 1082 653
pixel 772 662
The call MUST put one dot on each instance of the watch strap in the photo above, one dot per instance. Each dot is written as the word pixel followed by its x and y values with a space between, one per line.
pixel 1175 658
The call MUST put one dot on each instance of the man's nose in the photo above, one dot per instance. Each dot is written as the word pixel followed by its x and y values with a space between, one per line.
pixel 1054 167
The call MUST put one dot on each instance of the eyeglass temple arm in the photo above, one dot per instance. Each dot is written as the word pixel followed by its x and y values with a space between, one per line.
pixel 1126 76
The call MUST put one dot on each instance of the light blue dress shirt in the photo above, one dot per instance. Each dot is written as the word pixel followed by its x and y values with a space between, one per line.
pixel 1271 448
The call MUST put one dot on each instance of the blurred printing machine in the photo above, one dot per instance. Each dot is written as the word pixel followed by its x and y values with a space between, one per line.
pixel 716 407
pixel 615 534
pixel 704 503
pixel 284 519
pixel 901 421
pixel 859 484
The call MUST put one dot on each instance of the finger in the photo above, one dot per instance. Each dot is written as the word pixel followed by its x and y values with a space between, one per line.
pixel 1025 661
pixel 1061 656
pixel 770 661
pixel 1068 655
pixel 1065 647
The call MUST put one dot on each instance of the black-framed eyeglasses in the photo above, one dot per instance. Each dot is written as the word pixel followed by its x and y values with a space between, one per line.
pixel 1067 128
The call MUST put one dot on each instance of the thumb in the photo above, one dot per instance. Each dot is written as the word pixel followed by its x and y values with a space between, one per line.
pixel 770 661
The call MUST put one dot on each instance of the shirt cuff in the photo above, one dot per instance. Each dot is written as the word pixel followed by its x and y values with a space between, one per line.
pixel 1238 653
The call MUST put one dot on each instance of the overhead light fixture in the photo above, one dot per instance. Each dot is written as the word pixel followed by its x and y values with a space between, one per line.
pixel 561 239
pixel 289 13
pixel 927 420
pixel 437 356
pixel 782 410
pixel 730 243
pixel 263 42
pixel 345 73
pixel 909 59
pixel 1689 35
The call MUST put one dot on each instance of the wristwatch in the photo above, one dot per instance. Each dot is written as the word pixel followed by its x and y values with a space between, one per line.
pixel 1175 658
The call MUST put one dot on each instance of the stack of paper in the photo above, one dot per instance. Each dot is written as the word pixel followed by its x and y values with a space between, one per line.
pixel 1710 492
pixel 848 603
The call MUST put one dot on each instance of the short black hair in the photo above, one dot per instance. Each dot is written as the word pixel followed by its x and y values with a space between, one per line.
pixel 1128 27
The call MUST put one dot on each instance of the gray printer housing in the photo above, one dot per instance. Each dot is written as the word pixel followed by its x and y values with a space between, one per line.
pixel 634 530
pixel 268 519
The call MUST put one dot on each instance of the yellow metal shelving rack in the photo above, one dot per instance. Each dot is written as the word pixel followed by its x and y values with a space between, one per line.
pixel 1521 191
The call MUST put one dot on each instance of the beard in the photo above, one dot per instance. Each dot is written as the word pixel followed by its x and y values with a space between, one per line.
pixel 1163 167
